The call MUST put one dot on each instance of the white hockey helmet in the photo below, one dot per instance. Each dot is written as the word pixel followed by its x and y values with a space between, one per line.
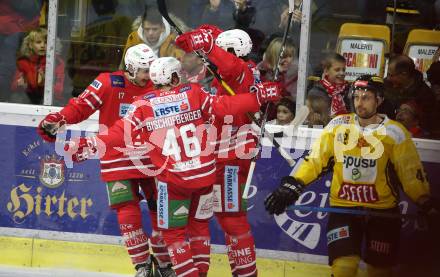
pixel 162 69
pixel 236 39
pixel 138 57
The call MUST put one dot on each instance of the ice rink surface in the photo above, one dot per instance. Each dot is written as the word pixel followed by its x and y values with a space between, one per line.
pixel 50 272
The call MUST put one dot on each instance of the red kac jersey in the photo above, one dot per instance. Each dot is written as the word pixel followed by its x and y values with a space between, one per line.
pixel 176 125
pixel 240 75
pixel 112 94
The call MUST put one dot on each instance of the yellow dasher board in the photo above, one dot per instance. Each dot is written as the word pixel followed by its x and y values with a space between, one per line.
pixel 421 46
pixel 364 47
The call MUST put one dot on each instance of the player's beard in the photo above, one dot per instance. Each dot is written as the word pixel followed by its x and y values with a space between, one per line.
pixel 366 114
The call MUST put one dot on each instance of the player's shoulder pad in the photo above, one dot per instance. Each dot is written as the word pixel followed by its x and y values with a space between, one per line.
pixel 339 120
pixel 396 131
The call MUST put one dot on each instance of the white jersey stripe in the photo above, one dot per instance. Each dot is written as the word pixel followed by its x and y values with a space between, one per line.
pixel 204 103
pixel 248 274
pixel 89 103
pixel 140 254
pixel 183 264
pixel 199 175
pixel 96 97
pixel 201 256
pixel 187 272
pixel 136 246
pixel 124 159
pixel 126 167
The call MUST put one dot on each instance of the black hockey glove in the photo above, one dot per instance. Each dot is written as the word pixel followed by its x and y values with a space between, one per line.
pixel 285 195
pixel 431 208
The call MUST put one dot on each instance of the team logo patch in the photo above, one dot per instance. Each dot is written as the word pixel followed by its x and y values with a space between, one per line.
pixel 231 189
pixel 337 234
pixel 96 84
pixel 185 88
pixel 205 208
pixel 359 170
pixel 217 198
pixel 149 96
pixel 162 205
pixel 172 108
pixel 117 81
pixel 52 172
pixel 124 108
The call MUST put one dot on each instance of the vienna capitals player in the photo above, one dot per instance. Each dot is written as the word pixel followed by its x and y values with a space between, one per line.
pixel 236 141
pixel 174 120
pixel 112 94
pixel 370 154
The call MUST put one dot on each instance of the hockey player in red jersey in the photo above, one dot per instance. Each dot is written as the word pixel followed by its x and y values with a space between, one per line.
pixel 112 94
pixel 235 143
pixel 178 135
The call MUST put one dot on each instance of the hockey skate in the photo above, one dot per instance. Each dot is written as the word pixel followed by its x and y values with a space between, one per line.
pixel 162 271
pixel 145 270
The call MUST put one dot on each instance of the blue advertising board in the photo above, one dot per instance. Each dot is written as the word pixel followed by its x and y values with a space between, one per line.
pixel 39 191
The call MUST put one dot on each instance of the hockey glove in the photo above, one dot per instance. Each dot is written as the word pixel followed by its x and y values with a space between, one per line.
pixel 285 195
pixel 50 125
pixel 431 208
pixel 212 29
pixel 267 92
pixel 80 149
pixel 195 41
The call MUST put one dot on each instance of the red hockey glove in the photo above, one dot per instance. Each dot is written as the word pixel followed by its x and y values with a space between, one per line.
pixel 195 40
pixel 50 125
pixel 268 92
pixel 212 29
pixel 81 149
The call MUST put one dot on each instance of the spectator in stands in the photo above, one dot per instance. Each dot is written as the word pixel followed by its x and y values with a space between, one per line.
pixel 404 83
pixel 333 87
pixel 16 18
pixel 319 111
pixel 244 17
pixel 155 32
pixel 101 47
pixel 433 75
pixel 288 67
pixel 408 114
pixel 285 109
pixel 213 12
pixel 31 66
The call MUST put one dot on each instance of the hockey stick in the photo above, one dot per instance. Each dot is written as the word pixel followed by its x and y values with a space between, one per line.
pixel 349 211
pixel 164 12
pixel 263 121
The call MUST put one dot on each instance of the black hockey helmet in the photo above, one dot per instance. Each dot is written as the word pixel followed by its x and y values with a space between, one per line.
pixel 369 83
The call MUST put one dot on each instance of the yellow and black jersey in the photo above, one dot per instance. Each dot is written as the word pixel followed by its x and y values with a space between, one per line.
pixel 364 161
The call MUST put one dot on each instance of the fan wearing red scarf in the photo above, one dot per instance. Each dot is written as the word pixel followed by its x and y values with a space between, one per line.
pixel 333 86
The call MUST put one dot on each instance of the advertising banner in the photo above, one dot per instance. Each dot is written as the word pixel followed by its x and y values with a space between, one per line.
pixel 362 57
pixel 40 191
